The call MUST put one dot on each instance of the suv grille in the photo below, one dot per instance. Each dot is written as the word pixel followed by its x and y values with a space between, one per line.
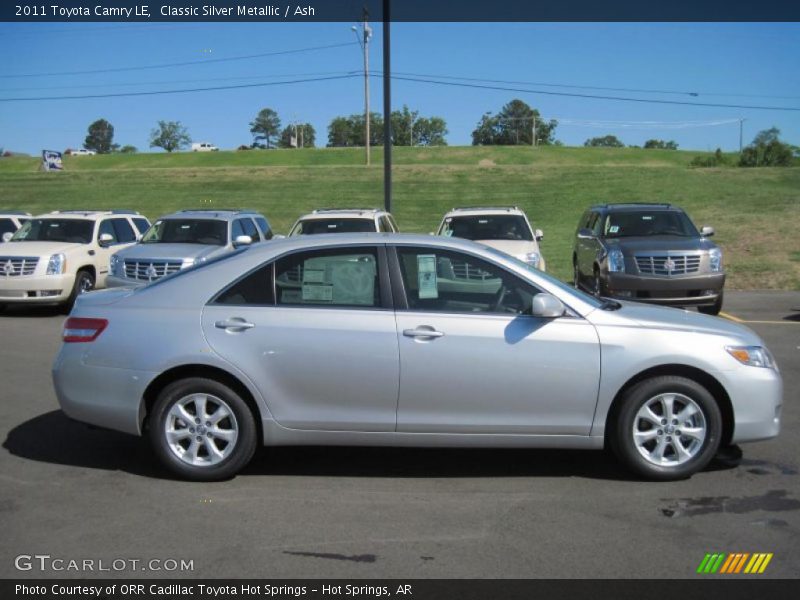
pixel 668 264
pixel 150 270
pixel 14 266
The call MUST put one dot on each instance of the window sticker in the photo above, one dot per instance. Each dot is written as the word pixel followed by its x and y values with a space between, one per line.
pixel 613 229
pixel 353 282
pixel 317 293
pixel 313 276
pixel 291 297
pixel 426 276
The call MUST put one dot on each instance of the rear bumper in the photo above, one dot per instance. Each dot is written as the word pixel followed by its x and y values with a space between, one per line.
pixel 696 290
pixel 42 289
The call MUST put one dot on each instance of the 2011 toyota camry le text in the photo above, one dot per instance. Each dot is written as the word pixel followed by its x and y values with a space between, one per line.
pixel 400 340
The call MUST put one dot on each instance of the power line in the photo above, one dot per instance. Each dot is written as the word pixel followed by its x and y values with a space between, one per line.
pixel 591 96
pixel 180 64
pixel 181 91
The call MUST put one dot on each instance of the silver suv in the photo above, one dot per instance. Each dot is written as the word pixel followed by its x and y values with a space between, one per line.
pixel 183 239
pixel 344 220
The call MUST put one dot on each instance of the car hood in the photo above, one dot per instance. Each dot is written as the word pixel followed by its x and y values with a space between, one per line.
pixel 169 251
pixel 659 243
pixel 512 247
pixel 674 319
pixel 37 248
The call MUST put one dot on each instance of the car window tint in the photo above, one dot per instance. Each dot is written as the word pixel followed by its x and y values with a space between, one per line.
pixel 436 280
pixel 141 224
pixel 107 226
pixel 339 277
pixel 595 223
pixel 253 289
pixel 7 226
pixel 123 231
pixel 250 229
pixel 236 229
pixel 264 227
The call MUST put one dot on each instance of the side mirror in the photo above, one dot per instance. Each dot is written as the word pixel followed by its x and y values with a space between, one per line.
pixel 706 231
pixel 7 236
pixel 538 235
pixel 105 239
pixel 547 306
pixel 586 234
pixel 242 240
pixel 431 233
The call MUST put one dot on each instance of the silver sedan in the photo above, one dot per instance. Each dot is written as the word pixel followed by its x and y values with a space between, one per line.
pixel 398 340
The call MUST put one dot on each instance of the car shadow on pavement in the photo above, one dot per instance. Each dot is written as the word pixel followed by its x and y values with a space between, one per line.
pixel 36 312
pixel 56 439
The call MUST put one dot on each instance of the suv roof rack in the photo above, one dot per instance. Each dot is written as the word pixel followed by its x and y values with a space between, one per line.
pixel 325 210
pixel 19 213
pixel 622 204
pixel 216 210
pixel 505 207
pixel 90 211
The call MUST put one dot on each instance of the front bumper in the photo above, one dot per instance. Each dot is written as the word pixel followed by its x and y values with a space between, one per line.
pixel 104 396
pixel 756 396
pixel 678 290
pixel 36 289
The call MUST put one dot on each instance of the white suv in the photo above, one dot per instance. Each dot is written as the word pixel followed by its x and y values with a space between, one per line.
pixel 505 228
pixel 10 221
pixel 345 220
pixel 55 257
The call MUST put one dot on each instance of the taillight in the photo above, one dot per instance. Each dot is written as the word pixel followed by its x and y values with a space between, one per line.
pixel 79 329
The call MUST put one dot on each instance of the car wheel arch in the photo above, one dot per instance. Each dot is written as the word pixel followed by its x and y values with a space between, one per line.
pixel 203 371
pixel 708 381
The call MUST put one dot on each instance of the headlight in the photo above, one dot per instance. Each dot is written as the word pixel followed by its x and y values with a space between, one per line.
pixel 532 258
pixel 753 356
pixel 715 259
pixel 616 262
pixel 57 264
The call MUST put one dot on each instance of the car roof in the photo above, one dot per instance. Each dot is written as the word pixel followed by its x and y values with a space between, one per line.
pixel 211 213
pixel 310 242
pixel 485 210
pixel 625 206
pixel 88 214
pixel 347 213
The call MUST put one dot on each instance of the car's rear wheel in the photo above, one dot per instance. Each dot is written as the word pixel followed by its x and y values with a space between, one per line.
pixel 202 430
pixel 714 309
pixel 667 428
pixel 84 282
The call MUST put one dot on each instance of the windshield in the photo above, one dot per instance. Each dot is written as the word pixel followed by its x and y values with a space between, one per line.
pixel 487 227
pixel 209 232
pixel 72 231
pixel 588 298
pixel 312 226
pixel 646 223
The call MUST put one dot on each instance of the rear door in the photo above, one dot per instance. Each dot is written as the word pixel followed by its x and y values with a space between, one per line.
pixel 315 332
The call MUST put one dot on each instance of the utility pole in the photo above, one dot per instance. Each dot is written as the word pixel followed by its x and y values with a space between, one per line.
pixel 740 134
pixel 387 110
pixel 363 41
pixel 533 131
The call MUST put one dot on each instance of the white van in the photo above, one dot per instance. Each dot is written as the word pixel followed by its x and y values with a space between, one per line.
pixel 204 147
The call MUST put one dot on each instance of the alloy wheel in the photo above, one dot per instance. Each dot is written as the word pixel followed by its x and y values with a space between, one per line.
pixel 669 429
pixel 201 429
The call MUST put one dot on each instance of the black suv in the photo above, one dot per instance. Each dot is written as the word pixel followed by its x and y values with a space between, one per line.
pixel 650 253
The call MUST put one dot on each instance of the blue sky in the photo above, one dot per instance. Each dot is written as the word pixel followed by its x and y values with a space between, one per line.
pixel 745 63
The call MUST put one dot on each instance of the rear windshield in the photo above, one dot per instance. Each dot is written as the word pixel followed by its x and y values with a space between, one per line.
pixel 646 223
pixel 73 231
pixel 487 227
pixel 209 232
pixel 313 226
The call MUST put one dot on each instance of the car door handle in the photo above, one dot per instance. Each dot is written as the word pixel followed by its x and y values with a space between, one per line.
pixel 234 324
pixel 421 332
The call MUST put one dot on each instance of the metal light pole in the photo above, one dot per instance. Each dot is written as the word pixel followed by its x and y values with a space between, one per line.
pixel 363 41
pixel 740 134
pixel 387 111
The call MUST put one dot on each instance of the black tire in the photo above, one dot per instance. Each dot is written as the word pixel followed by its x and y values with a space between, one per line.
pixel 84 282
pixel 598 288
pixel 576 274
pixel 243 423
pixel 621 434
pixel 3 307
pixel 714 309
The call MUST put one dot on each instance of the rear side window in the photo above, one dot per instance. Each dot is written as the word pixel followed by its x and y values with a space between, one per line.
pixel 141 224
pixel 254 289
pixel 124 231
pixel 338 277
pixel 266 232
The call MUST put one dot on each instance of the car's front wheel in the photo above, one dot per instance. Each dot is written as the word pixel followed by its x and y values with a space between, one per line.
pixel 84 282
pixel 667 428
pixel 202 430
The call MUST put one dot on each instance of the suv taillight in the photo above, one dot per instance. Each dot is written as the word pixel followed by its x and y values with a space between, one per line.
pixel 79 329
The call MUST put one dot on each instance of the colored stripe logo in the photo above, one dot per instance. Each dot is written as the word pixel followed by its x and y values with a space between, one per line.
pixel 735 563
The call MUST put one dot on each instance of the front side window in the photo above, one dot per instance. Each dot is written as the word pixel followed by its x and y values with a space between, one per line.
pixel 71 231
pixel 6 226
pixel 487 227
pixel 124 231
pixel 645 223
pixel 210 232
pixel 141 224
pixel 244 227
pixel 314 226
pixel 437 280
pixel 266 231
pixel 107 227
pixel 336 277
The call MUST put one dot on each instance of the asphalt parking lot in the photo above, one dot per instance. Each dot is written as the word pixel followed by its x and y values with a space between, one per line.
pixel 77 493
